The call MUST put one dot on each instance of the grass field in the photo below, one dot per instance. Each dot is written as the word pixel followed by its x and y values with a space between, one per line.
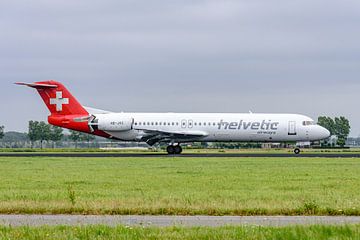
pixel 122 232
pixel 188 186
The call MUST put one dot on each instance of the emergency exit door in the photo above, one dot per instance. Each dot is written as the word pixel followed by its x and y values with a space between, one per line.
pixel 292 128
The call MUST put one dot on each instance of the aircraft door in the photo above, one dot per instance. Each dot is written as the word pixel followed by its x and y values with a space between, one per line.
pixel 292 128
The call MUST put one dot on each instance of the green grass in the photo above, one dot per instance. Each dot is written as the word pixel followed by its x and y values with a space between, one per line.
pixel 123 232
pixel 188 186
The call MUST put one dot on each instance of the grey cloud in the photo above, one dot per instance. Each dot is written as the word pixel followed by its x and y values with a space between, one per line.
pixel 233 56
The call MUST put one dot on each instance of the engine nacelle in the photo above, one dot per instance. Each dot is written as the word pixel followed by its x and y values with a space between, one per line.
pixel 112 122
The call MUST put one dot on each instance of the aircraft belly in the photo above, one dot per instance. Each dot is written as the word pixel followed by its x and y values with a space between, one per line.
pixel 130 135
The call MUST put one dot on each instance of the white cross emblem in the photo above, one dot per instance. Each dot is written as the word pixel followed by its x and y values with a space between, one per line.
pixel 59 101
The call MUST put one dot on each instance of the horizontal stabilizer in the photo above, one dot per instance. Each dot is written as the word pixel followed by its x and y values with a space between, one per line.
pixel 37 85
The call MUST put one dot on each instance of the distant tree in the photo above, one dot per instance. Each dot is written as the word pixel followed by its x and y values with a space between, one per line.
pixel 44 133
pixel 81 137
pixel 342 130
pixel 56 134
pixel 33 132
pixel 39 131
pixel 2 131
pixel 15 137
pixel 339 127
pixel 87 137
pixel 75 136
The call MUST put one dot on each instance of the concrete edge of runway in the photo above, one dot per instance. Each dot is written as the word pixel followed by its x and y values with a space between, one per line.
pixel 166 221
pixel 195 155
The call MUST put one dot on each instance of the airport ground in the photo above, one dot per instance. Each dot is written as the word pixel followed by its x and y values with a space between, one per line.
pixel 129 233
pixel 181 186
pixel 186 150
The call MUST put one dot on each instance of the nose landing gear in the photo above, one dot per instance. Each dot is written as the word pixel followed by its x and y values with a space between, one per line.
pixel 297 151
pixel 174 149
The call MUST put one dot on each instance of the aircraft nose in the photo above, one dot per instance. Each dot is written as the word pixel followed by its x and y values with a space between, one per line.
pixel 324 133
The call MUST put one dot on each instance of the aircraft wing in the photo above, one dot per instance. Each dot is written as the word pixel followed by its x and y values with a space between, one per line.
pixel 152 136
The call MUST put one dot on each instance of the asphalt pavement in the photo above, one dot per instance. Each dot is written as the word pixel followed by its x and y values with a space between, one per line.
pixel 192 155
pixel 165 221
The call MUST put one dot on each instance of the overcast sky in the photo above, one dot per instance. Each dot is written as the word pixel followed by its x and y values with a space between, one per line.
pixel 274 56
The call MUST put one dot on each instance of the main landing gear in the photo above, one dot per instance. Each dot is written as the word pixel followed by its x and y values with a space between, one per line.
pixel 297 151
pixel 174 149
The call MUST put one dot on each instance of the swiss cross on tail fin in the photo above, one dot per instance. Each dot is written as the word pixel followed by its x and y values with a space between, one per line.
pixel 59 101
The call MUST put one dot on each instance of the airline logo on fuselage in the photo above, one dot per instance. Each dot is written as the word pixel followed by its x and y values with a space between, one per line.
pixel 244 125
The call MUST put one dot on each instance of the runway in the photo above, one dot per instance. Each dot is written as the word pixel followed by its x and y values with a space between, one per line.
pixel 165 221
pixel 186 155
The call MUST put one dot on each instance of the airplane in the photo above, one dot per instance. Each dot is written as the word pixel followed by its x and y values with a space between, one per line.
pixel 174 129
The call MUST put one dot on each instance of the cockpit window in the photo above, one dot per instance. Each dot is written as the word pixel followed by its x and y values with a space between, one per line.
pixel 308 123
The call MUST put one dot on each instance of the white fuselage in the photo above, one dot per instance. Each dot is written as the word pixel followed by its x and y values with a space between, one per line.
pixel 212 127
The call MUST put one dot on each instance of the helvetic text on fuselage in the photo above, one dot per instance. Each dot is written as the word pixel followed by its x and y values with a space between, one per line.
pixel 264 125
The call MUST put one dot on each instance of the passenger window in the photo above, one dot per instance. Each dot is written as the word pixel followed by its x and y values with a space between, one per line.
pixel 308 123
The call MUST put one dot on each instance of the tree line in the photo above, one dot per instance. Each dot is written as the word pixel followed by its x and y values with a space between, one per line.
pixel 41 131
pixel 339 127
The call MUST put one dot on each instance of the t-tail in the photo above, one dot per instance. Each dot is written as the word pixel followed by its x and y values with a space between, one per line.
pixel 66 111
pixel 57 98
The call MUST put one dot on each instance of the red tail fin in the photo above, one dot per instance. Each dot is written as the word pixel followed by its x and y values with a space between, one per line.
pixel 57 98
pixel 65 110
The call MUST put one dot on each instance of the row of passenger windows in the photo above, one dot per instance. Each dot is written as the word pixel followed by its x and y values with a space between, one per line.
pixel 173 124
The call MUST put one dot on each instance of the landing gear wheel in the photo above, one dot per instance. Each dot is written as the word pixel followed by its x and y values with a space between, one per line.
pixel 297 151
pixel 170 149
pixel 177 149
